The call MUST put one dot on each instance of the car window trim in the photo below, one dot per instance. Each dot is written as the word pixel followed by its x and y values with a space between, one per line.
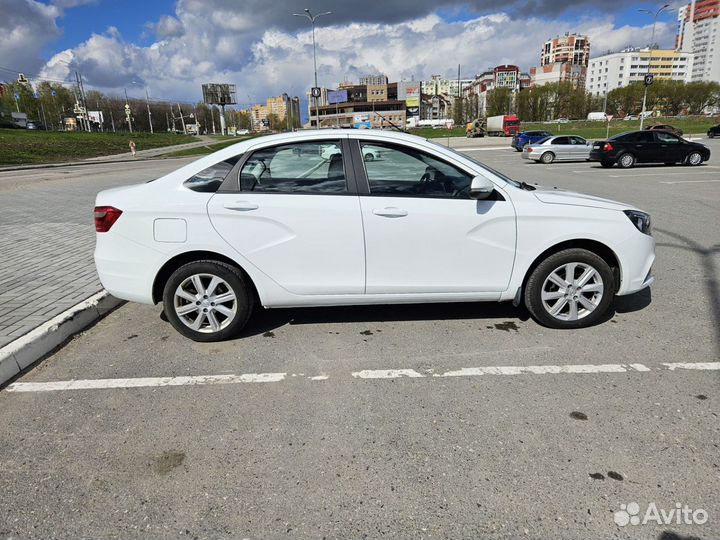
pixel 232 182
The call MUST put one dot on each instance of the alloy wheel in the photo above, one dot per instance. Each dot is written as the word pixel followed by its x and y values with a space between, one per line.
pixel 695 158
pixel 572 291
pixel 205 303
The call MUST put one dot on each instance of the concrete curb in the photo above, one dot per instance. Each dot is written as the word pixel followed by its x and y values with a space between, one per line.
pixel 83 163
pixel 24 351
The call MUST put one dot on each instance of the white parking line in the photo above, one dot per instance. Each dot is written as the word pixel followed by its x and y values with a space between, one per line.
pixel 479 148
pixel 691 182
pixel 661 174
pixel 141 382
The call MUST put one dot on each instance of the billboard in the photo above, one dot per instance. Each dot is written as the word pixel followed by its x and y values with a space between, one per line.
pixel 412 98
pixel 219 94
pixel 96 117
pixel 337 96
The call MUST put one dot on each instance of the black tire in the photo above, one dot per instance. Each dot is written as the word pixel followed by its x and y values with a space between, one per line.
pixel 547 158
pixel 694 159
pixel 369 157
pixel 606 164
pixel 518 149
pixel 235 280
pixel 711 135
pixel 536 281
pixel 626 161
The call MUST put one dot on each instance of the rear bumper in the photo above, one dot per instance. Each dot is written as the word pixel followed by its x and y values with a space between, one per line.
pixel 596 155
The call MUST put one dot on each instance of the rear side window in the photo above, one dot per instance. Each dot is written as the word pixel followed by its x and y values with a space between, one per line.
pixel 209 180
pixel 561 140
pixel 307 167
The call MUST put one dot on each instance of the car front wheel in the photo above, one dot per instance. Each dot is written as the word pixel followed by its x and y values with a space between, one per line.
pixel 570 289
pixel 694 159
pixel 208 300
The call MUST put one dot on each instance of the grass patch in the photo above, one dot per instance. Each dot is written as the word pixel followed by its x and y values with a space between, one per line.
pixel 597 130
pixel 22 146
pixel 430 133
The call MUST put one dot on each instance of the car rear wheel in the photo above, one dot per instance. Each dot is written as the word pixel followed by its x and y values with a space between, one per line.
pixel 518 149
pixel 547 157
pixel 570 289
pixel 626 161
pixel 606 164
pixel 694 158
pixel 208 300
pixel 369 157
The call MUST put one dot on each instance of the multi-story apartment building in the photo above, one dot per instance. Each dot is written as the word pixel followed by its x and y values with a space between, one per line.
pixel 563 58
pixel 615 70
pixel 505 76
pixel 698 30
pixel 273 105
pixel 438 86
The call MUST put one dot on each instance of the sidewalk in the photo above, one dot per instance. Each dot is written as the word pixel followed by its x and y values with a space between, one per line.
pixel 47 240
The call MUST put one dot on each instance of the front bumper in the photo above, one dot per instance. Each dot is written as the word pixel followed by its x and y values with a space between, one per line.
pixel 637 256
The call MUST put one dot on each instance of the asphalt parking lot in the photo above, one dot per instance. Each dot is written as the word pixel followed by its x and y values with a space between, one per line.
pixel 428 421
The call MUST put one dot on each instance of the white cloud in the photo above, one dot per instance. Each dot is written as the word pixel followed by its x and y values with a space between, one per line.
pixel 202 43
pixel 26 27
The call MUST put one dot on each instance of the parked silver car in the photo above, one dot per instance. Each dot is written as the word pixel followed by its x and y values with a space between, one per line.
pixel 558 148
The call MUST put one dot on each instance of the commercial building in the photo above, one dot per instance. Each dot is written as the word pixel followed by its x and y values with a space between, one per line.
pixel 563 59
pixel 698 30
pixel 619 69
pixel 375 106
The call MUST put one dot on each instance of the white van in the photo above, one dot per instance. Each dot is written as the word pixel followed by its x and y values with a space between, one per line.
pixel 597 116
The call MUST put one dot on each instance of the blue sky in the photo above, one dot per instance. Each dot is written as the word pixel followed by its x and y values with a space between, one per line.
pixel 173 46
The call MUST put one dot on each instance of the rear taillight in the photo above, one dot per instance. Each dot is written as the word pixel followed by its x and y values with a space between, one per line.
pixel 607 147
pixel 530 149
pixel 105 217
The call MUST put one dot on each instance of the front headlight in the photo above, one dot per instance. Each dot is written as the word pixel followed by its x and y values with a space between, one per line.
pixel 641 220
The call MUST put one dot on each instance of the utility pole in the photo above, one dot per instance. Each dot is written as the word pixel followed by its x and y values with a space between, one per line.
pixel 182 119
pixel 127 111
pixel 312 18
pixel 652 42
pixel 147 102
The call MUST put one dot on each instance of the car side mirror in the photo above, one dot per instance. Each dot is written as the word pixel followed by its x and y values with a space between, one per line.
pixel 481 188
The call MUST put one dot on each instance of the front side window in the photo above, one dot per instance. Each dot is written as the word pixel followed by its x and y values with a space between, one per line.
pixel 305 167
pixel 209 180
pixel 400 171
pixel 667 138
pixel 578 140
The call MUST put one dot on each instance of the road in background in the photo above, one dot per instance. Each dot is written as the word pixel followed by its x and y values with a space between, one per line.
pixel 420 421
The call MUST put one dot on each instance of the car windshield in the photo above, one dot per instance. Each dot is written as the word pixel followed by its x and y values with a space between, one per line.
pixel 479 163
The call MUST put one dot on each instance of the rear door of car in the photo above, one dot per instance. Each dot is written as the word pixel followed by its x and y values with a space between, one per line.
pixel 643 146
pixel 291 209
pixel 561 147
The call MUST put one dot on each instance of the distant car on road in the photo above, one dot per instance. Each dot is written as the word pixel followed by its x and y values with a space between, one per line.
pixel 632 117
pixel 528 137
pixel 270 222
pixel 558 148
pixel 666 127
pixel 714 132
pixel 648 146
pixel 31 125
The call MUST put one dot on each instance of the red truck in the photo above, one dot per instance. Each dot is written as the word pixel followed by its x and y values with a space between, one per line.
pixel 506 125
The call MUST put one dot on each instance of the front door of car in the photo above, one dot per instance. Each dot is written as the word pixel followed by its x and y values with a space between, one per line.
pixel 423 234
pixel 294 217
pixel 579 148
pixel 670 147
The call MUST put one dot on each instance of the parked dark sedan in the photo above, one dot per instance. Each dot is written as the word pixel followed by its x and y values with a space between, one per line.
pixel 655 146
pixel 528 137
pixel 666 127
pixel 714 132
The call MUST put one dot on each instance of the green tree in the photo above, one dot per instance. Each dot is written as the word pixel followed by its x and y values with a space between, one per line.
pixel 499 101
pixel 701 95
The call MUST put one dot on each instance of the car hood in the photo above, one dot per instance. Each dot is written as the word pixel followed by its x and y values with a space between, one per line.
pixel 560 196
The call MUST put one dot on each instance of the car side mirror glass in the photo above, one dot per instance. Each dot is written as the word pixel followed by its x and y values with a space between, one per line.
pixel 481 188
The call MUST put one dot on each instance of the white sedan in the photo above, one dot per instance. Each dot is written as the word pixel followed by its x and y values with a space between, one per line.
pixel 271 222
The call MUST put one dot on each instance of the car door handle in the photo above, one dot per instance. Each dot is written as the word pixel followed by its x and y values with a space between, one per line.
pixel 390 212
pixel 241 206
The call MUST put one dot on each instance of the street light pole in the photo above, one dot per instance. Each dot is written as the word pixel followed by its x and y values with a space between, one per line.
pixel 312 18
pixel 147 102
pixel 652 41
